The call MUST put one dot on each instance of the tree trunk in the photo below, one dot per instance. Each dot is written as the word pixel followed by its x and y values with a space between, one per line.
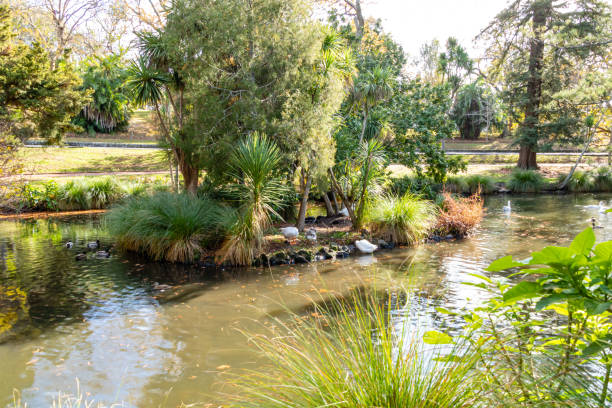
pixel 337 206
pixel 586 146
pixel 527 156
pixel 359 21
pixel 190 178
pixel 364 125
pixel 304 201
pixel 345 200
pixel 328 205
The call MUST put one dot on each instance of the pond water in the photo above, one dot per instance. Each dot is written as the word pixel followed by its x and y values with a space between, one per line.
pixel 106 322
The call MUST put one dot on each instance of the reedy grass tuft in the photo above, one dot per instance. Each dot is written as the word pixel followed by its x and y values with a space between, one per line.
pixel 402 220
pixel 525 181
pixel 355 354
pixel 166 226
pixel 456 184
pixel 602 179
pixel 581 182
pixel 479 183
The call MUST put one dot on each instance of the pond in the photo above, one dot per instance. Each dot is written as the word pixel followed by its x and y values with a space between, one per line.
pixel 107 322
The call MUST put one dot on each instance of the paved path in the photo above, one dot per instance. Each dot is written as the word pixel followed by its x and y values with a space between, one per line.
pixel 46 176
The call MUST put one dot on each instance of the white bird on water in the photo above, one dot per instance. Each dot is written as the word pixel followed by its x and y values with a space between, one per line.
pixel 289 232
pixel 508 208
pixel 365 246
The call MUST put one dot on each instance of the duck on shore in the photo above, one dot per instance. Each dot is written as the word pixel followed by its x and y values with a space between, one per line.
pixel 365 246
pixel 311 235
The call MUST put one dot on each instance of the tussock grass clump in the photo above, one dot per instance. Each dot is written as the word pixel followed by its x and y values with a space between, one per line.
pixel 602 179
pixel 581 182
pixel 350 356
pixel 456 184
pixel 478 183
pixel 402 220
pixel 459 215
pixel 166 226
pixel 525 181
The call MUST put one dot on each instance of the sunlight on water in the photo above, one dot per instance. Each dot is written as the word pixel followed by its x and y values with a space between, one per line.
pixel 102 320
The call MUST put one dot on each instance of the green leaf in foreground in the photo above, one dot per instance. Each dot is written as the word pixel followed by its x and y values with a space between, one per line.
pixel 522 290
pixel 502 264
pixel 436 337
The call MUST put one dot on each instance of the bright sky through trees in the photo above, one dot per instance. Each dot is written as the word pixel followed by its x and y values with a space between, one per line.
pixel 414 22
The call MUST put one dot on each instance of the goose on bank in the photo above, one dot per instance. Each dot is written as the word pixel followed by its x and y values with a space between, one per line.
pixel 365 246
pixel 289 232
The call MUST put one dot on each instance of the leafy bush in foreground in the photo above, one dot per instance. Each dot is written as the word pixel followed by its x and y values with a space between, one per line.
pixel 525 181
pixel 166 226
pixel 459 215
pixel 402 220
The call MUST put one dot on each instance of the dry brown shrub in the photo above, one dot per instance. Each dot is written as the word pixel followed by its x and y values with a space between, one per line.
pixel 459 215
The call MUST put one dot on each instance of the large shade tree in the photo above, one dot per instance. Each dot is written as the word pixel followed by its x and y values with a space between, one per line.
pixel 538 48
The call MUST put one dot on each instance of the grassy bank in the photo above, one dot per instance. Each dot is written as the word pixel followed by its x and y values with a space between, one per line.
pixel 90 159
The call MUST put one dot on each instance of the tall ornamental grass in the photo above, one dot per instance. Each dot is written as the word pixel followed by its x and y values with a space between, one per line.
pixel 479 183
pixel 402 220
pixel 166 226
pixel 351 354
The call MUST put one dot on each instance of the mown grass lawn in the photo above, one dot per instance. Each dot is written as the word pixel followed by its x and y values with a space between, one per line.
pixel 91 159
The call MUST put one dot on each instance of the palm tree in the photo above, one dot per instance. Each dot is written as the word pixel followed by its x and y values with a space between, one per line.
pixel 258 190
pixel 375 86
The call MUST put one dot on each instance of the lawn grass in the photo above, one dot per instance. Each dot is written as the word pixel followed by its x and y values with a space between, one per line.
pixel 91 159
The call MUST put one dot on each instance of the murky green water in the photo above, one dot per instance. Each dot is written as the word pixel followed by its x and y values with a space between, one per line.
pixel 103 321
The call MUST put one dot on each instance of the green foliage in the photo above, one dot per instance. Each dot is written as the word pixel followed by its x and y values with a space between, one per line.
pixel 581 182
pixel 419 116
pixel 454 64
pixel 41 197
pixel 525 181
pixel 478 182
pixel 473 110
pixel 166 226
pixel 36 99
pixel 550 359
pixel 602 178
pixel 257 190
pixel 404 220
pixel 109 109
pixel 351 356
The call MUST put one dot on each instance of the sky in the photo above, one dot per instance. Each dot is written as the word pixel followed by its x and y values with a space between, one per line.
pixel 415 22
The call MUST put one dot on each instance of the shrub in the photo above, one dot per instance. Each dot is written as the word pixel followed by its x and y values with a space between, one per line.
pixel 412 185
pixel 166 226
pixel 402 220
pixel 41 197
pixel 459 215
pixel 75 196
pixel 602 179
pixel 480 183
pixel 526 181
pixel 349 355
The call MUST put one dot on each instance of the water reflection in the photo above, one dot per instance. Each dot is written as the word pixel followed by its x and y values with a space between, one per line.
pixel 103 321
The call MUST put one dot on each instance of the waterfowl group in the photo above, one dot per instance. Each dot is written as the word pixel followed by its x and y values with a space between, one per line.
pixel 93 245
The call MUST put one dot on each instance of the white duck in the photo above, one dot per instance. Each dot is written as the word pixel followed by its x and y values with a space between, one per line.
pixel 595 206
pixel 508 208
pixel 343 212
pixel 289 232
pixel 311 235
pixel 365 246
